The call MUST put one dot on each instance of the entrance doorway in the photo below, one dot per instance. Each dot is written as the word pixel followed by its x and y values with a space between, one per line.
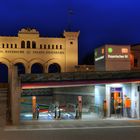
pixel 116 101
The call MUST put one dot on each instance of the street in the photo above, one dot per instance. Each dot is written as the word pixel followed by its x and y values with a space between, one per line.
pixel 87 134
pixel 99 130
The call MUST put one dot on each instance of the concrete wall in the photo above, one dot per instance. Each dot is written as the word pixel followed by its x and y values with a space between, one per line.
pixel 117 59
pixel 112 58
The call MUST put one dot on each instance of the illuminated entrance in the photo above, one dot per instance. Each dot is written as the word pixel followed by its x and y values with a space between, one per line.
pixel 116 104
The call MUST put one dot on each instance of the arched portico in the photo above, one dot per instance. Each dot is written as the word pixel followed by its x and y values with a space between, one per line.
pixel 38 62
pixel 54 68
pixel 22 63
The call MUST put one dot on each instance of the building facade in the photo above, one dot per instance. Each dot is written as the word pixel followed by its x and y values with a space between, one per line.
pixel 29 49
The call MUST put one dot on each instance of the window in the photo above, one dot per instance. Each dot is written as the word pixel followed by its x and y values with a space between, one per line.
pixel 2 45
pixel 60 46
pixel 15 45
pixel 56 46
pixel 40 46
pixel 44 46
pixel 48 46
pixel 33 44
pixel 11 45
pixel 22 44
pixel 52 46
pixel 71 42
pixel 135 62
pixel 7 45
pixel 28 44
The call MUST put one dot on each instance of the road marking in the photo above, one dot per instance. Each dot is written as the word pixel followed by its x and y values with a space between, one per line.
pixel 67 128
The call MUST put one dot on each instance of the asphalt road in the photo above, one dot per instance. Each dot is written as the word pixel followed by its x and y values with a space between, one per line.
pixel 115 133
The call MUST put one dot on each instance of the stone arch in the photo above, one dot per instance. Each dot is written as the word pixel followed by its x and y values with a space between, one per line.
pixel 54 68
pixel 54 61
pixel 23 61
pixel 5 61
pixel 4 69
pixel 20 68
pixel 36 61
pixel 37 68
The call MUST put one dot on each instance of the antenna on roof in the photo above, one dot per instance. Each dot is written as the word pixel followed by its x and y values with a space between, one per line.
pixel 70 14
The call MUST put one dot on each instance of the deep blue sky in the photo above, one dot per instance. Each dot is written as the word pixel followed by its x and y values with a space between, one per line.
pixel 99 21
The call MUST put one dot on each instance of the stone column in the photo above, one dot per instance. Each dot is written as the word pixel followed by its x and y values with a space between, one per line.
pixel 28 69
pixel 15 96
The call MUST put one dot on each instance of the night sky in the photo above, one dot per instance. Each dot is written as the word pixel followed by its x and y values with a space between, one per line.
pixel 99 21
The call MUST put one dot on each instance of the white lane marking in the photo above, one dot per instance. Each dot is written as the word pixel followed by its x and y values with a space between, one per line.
pixel 67 128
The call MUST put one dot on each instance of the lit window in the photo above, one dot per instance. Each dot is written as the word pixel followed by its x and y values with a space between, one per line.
pixel 124 50
pixel 103 50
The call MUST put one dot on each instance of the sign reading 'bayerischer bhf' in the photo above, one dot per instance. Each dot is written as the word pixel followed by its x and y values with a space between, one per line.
pixel 112 58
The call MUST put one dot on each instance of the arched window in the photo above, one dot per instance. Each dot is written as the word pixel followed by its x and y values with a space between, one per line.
pixel 37 68
pixel 54 68
pixel 22 44
pixel 33 44
pixel 45 46
pixel 48 46
pixel 60 46
pixel 28 44
pixel 11 45
pixel 56 46
pixel 3 45
pixel 40 46
pixel 3 73
pixel 21 68
pixel 7 45
pixel 15 45
pixel 52 46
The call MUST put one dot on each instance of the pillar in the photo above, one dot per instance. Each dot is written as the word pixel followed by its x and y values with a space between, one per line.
pixel 15 96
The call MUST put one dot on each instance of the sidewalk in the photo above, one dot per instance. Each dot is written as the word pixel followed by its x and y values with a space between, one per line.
pixel 73 124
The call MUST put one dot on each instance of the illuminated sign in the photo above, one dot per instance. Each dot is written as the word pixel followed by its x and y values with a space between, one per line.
pixel 118 56
pixel 110 50
pixel 99 58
